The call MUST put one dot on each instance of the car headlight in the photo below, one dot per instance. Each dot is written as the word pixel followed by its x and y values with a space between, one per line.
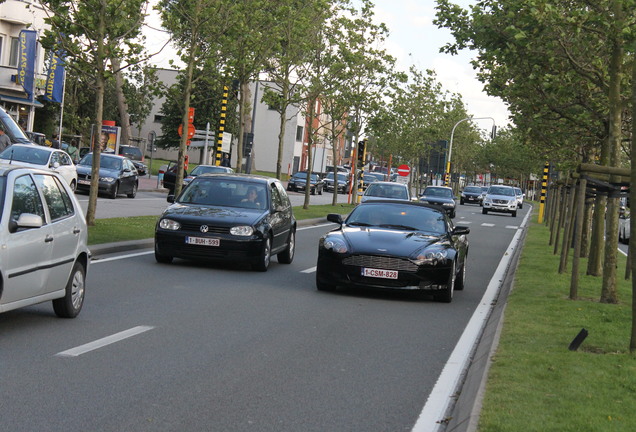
pixel 448 204
pixel 107 179
pixel 335 244
pixel 431 256
pixel 487 200
pixel 242 230
pixel 169 224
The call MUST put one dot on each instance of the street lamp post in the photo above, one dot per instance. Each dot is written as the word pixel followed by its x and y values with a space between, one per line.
pixel 450 146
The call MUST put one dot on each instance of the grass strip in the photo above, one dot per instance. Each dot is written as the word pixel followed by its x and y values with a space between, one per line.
pixel 143 227
pixel 535 383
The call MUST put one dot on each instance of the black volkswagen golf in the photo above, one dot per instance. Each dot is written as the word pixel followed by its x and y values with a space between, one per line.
pixel 229 217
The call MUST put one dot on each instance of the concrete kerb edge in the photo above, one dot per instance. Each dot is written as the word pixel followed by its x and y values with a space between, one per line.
pixel 131 245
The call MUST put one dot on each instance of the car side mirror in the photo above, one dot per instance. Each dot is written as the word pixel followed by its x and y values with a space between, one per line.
pixel 335 218
pixel 460 230
pixel 26 220
pixel 170 198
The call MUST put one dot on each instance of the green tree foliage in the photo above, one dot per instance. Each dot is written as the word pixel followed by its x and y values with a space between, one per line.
pixel 90 32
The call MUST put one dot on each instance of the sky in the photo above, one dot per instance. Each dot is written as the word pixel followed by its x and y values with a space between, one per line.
pixel 413 40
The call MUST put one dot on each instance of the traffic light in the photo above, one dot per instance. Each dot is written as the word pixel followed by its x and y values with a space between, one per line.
pixel 493 133
pixel 361 153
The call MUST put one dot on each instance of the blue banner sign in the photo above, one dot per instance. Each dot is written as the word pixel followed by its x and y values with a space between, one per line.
pixel 54 90
pixel 26 63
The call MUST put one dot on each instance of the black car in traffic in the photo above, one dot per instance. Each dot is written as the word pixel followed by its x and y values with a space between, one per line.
pixel 228 217
pixel 298 182
pixel 440 195
pixel 117 175
pixel 394 245
pixel 470 194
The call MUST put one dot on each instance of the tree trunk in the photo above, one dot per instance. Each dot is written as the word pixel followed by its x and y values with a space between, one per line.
pixel 124 118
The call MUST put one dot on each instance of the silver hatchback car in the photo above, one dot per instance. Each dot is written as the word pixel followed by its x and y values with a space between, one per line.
pixel 43 241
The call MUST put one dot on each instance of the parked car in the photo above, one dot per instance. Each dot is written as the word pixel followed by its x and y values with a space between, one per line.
pixel 384 190
pixel 441 196
pixel 342 181
pixel 520 196
pixel 470 194
pixel 216 219
pixel 136 156
pixel 48 158
pixel 395 245
pixel 206 169
pixel 37 138
pixel 117 175
pixel 170 176
pixel 43 235
pixel 500 199
pixel 298 182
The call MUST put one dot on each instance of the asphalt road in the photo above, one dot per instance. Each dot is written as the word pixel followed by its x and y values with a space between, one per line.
pixel 219 347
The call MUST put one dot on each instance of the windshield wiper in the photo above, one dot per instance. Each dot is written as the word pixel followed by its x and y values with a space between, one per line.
pixel 404 227
pixel 359 224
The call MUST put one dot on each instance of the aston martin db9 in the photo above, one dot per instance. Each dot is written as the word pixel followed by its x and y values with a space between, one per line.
pixel 394 245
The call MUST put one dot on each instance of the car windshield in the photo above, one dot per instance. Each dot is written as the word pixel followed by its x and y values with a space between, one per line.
pixel 106 162
pixel 472 189
pixel 387 191
pixel 11 128
pixel 205 169
pixel 31 154
pixel 438 192
pixel 500 190
pixel 405 217
pixel 225 193
pixel 341 177
pixel 303 176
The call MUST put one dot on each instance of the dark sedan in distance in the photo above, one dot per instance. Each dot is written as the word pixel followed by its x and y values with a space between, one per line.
pixel 440 195
pixel 298 182
pixel 117 175
pixel 470 194
pixel 228 217
pixel 341 180
pixel 399 245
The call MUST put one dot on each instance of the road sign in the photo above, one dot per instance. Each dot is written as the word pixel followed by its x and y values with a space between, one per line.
pixel 404 170
pixel 191 130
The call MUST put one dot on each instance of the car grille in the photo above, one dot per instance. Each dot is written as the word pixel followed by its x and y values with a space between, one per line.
pixel 500 201
pixel 211 229
pixel 381 262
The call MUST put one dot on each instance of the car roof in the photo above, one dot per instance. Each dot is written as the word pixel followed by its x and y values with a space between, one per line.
pixel 5 169
pixel 33 145
pixel 240 177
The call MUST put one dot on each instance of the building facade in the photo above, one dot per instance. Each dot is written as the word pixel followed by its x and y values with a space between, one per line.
pixel 15 16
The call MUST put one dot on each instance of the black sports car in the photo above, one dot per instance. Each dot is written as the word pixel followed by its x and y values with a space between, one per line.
pixel 394 245
pixel 298 182
pixel 230 217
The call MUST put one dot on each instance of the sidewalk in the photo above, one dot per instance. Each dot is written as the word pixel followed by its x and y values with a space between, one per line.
pixel 150 184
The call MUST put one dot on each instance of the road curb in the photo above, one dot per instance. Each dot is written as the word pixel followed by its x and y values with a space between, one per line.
pixel 132 245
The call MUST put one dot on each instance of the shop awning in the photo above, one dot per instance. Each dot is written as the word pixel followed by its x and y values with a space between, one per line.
pixel 19 100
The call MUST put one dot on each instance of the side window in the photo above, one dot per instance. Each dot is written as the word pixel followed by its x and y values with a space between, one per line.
pixel 55 157
pixel 65 159
pixel 283 195
pixel 57 200
pixel 276 199
pixel 26 198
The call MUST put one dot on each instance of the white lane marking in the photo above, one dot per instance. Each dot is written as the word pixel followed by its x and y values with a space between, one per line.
pixel 315 226
pixel 309 270
pixel 512 227
pixel 100 260
pixel 488 225
pixel 108 340
pixel 437 405
pixel 467 222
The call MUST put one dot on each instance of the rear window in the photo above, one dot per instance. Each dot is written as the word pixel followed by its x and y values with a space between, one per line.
pixel 131 152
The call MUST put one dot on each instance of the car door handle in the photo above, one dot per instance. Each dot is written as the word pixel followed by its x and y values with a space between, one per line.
pixel 76 230
pixel 48 238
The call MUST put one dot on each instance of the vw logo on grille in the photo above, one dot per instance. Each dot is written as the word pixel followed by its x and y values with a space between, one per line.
pixel 204 228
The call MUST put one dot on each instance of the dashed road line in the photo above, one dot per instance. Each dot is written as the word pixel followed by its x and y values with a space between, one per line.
pixel 99 343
